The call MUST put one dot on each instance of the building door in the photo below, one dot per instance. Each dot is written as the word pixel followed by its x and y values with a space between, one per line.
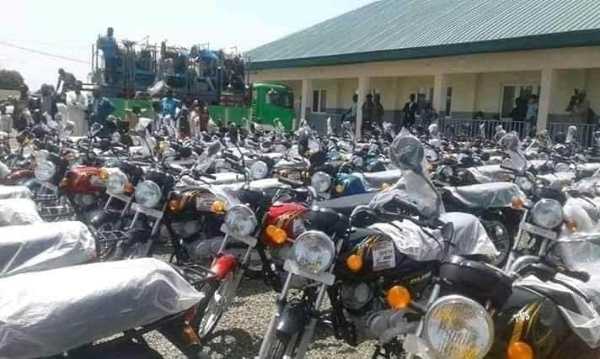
pixel 510 93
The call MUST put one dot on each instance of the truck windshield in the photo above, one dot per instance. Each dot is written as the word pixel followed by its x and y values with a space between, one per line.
pixel 281 99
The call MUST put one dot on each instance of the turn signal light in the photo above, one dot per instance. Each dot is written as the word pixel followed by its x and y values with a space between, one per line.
pixel 129 188
pixel 176 205
pixel 518 203
pixel 571 226
pixel 519 350
pixel 103 174
pixel 217 207
pixel 354 263
pixel 276 235
pixel 398 297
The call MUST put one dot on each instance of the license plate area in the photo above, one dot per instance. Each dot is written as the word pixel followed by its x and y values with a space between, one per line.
pixel 539 231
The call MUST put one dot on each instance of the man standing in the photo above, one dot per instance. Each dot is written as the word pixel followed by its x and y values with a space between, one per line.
pixel 410 110
pixel 110 51
pixel 101 109
pixel 368 112
pixel 532 114
pixel 77 105
pixel 378 111
pixel 67 80
pixel 168 108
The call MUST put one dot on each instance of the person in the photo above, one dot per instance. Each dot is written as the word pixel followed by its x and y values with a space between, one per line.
pixel 110 51
pixel 520 111
pixel 368 109
pixel 101 108
pixel 532 113
pixel 5 119
pixel 48 100
pixel 378 111
pixel 77 104
pixel 67 80
pixel 580 110
pixel 182 123
pixel 410 110
pixel 168 109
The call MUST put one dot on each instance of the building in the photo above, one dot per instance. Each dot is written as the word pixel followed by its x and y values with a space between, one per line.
pixel 464 56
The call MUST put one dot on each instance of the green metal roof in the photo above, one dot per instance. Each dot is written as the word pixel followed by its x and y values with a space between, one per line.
pixel 409 29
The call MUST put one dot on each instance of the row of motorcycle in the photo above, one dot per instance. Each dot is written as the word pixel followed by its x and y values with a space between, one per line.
pixel 425 247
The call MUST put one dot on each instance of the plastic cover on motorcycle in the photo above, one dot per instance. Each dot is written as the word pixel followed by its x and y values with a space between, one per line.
pixel 487 195
pixel 423 244
pixel 47 313
pixel 489 173
pixel 18 211
pixel 44 246
pixel 8 192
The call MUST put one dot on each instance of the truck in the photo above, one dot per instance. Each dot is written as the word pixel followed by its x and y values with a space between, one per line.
pixel 144 71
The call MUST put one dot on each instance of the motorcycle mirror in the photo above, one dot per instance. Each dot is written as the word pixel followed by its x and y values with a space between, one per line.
pixel 407 153
pixel 95 129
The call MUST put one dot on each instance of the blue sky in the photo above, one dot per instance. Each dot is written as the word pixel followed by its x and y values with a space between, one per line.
pixel 68 27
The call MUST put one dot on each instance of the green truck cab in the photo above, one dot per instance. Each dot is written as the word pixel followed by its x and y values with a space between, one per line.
pixel 270 103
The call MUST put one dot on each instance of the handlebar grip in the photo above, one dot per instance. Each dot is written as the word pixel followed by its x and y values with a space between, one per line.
pixel 209 176
pixel 580 275
pixel 290 182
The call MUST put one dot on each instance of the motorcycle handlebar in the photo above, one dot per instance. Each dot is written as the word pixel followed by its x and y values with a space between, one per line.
pixel 290 182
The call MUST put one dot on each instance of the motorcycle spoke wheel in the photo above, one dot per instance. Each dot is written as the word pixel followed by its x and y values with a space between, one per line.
pixel 219 295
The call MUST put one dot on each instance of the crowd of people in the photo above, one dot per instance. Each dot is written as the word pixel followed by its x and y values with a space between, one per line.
pixel 374 113
pixel 68 106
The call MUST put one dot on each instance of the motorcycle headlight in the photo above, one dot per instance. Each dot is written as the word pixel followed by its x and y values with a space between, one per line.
pixel 547 213
pixel 259 170
pixel 457 327
pixel 116 182
pixel 44 170
pixel 321 182
pixel 313 251
pixel 524 184
pixel 240 220
pixel 148 194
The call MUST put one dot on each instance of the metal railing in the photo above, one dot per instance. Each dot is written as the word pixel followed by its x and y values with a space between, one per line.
pixel 584 135
pixel 469 129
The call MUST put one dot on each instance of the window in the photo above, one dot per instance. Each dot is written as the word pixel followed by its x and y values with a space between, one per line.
pixel 510 94
pixel 319 103
pixel 280 98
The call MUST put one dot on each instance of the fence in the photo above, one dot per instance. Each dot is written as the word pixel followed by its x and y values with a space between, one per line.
pixel 469 129
pixel 584 135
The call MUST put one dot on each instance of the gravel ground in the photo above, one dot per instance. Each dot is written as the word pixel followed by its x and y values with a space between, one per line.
pixel 240 332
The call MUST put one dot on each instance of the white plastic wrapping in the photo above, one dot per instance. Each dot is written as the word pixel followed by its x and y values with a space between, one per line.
pixel 377 180
pixel 50 312
pixel 18 211
pixel 8 192
pixel 489 173
pixel 487 195
pixel 44 246
pixel 470 237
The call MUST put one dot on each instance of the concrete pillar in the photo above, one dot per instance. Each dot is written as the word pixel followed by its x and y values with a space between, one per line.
pixel 306 98
pixel 545 99
pixel 440 88
pixel 363 88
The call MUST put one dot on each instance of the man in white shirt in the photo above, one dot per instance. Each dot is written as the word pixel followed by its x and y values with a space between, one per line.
pixel 77 104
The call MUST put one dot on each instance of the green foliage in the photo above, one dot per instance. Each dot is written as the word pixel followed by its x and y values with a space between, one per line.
pixel 10 80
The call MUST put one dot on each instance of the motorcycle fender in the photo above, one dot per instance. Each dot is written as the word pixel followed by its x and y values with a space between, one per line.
pixel 224 265
pixel 292 320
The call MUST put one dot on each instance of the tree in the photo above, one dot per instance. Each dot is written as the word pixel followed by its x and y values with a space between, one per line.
pixel 11 80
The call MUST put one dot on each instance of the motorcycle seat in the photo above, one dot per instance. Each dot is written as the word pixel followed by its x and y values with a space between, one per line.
pixel 328 221
pixel 487 195
pixel 18 211
pixel 40 311
pixel 7 192
pixel 345 205
pixel 44 246
pixel 490 173
pixel 376 180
